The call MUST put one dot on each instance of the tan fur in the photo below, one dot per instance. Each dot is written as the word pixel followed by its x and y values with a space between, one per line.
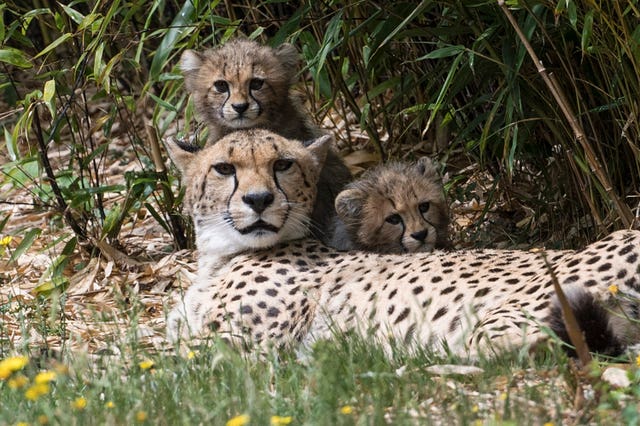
pixel 393 208
pixel 257 80
pixel 237 64
pixel 223 205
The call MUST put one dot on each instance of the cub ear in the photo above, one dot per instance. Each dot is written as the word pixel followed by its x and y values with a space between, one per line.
pixel 349 204
pixel 319 148
pixel 190 63
pixel 427 168
pixel 181 154
pixel 288 55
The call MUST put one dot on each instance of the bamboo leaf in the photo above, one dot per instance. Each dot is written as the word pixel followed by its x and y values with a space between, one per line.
pixel 76 16
pixel 443 52
pixel 27 241
pixel 57 42
pixel 587 31
pixel 15 57
pixel 48 95
pixel 180 26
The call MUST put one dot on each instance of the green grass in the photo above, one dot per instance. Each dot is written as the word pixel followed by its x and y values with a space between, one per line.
pixel 341 382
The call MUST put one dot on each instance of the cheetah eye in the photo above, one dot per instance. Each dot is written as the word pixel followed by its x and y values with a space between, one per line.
pixel 225 169
pixel 424 207
pixel 256 83
pixel 282 165
pixel 221 86
pixel 393 219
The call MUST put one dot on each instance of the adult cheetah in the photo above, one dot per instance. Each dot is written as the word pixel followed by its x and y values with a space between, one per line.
pixel 260 281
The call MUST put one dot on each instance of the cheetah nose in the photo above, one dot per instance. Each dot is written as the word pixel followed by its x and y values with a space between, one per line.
pixel 240 108
pixel 421 235
pixel 258 201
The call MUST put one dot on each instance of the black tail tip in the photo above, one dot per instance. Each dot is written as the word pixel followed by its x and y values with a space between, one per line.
pixel 593 319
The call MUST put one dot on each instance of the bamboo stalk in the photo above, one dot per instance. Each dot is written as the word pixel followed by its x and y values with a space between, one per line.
pixel 624 212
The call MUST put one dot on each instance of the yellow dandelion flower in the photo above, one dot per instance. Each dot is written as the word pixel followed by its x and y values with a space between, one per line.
pixel 503 396
pixel 80 403
pixel 475 409
pixel 44 377
pixel 36 391
pixel 22 424
pixel 191 355
pixel 43 420
pixel 613 289
pixel 346 410
pixel 548 424
pixel 146 364
pixel 109 404
pixel 5 241
pixel 9 365
pixel 638 361
pixel 240 420
pixel 141 416
pixel 279 420
pixel 18 382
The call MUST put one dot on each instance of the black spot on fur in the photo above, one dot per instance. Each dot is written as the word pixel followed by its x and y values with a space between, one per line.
pixel 273 312
pixel 271 292
pixel 482 292
pixel 448 290
pixel 442 311
pixel 404 314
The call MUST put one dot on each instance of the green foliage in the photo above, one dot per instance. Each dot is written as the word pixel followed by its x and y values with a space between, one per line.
pixel 444 77
pixel 342 382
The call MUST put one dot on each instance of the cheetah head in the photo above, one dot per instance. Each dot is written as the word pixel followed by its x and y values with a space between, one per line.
pixel 240 84
pixel 396 208
pixel 250 190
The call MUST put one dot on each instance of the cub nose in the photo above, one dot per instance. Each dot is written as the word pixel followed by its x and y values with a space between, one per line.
pixel 258 201
pixel 240 108
pixel 420 235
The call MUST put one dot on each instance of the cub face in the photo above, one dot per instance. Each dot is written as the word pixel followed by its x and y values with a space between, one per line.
pixel 252 189
pixel 240 84
pixel 395 208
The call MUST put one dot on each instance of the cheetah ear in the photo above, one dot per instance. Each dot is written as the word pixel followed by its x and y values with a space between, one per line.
pixel 190 63
pixel 427 168
pixel 349 203
pixel 289 57
pixel 181 154
pixel 319 148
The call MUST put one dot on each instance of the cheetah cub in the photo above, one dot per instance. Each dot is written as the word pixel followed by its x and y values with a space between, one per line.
pixel 393 208
pixel 261 282
pixel 245 85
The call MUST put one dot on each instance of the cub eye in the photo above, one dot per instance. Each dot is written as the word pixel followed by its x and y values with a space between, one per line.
pixel 393 219
pixel 282 165
pixel 256 83
pixel 225 169
pixel 221 86
pixel 424 207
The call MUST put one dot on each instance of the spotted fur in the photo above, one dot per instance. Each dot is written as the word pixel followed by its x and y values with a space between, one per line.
pixel 245 85
pixel 297 291
pixel 393 208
